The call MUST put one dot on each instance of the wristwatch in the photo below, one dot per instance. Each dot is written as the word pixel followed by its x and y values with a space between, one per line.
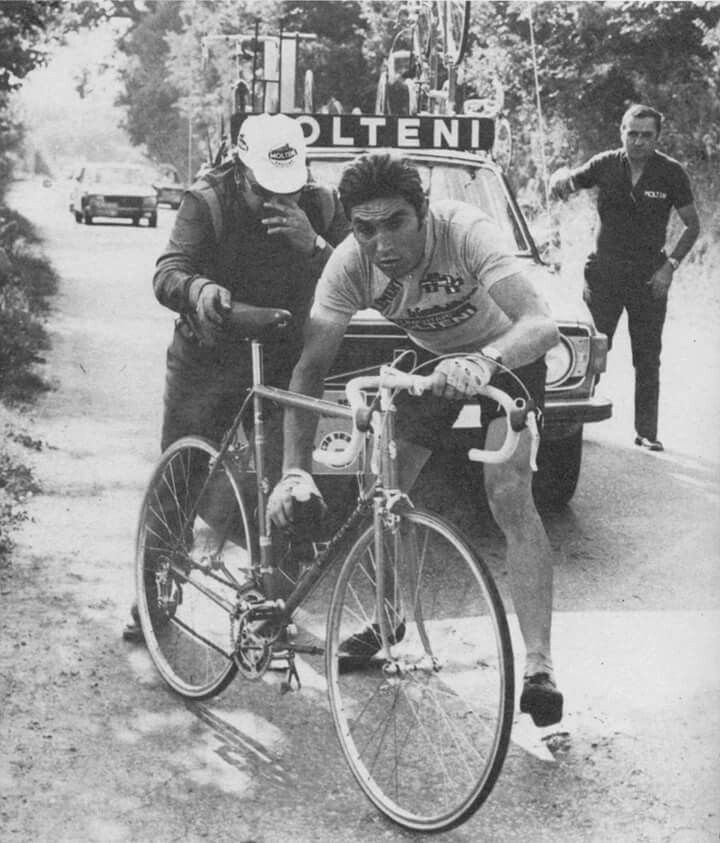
pixel 319 246
pixel 674 263
pixel 491 353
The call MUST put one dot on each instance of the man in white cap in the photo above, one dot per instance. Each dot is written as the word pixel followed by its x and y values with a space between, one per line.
pixel 253 231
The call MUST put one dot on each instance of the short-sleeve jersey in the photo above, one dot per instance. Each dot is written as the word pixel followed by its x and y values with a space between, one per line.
pixel 444 303
pixel 633 220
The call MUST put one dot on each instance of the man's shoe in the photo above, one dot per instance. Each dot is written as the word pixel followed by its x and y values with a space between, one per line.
pixel 541 699
pixel 133 631
pixel 649 444
pixel 366 644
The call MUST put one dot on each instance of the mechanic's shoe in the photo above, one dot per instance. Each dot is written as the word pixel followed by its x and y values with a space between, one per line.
pixel 649 444
pixel 541 699
pixel 365 644
pixel 133 631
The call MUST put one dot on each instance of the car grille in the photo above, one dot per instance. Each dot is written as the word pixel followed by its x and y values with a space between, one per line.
pixel 125 201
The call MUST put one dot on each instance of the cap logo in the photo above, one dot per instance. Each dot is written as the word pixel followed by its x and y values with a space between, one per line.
pixel 282 156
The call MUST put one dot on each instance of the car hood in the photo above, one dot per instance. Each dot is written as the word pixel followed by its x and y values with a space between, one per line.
pixel 563 295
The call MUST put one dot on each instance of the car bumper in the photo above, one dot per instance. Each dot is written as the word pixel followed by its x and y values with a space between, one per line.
pixel 127 210
pixel 582 411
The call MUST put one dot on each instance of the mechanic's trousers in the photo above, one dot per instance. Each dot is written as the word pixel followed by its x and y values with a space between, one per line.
pixel 612 286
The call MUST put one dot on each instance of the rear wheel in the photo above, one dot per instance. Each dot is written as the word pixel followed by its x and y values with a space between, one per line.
pixel 425 731
pixel 455 20
pixel 152 221
pixel 194 552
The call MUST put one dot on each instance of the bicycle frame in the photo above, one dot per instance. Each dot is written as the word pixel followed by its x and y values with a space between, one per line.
pixel 384 487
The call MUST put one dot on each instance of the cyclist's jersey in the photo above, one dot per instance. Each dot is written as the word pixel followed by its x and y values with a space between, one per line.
pixel 633 220
pixel 444 303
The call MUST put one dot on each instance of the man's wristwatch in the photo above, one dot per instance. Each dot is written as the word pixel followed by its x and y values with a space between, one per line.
pixel 491 353
pixel 319 246
pixel 674 263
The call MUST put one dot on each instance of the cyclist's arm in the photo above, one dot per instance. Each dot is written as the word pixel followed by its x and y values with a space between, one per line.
pixel 322 341
pixel 533 330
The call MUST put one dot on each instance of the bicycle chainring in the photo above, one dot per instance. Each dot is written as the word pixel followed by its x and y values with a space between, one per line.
pixel 252 650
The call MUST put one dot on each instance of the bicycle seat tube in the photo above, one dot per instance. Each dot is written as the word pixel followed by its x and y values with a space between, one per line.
pixel 263 489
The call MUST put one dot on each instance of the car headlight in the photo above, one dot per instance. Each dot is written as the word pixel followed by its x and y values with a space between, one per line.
pixel 560 362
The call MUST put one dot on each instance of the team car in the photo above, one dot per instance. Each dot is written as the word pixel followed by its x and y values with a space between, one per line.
pixel 453 154
pixel 169 186
pixel 114 190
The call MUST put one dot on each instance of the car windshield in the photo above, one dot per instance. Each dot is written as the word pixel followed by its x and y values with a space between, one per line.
pixel 118 175
pixel 477 185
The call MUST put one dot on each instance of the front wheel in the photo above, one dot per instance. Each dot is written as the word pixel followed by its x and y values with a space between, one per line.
pixel 426 727
pixel 194 553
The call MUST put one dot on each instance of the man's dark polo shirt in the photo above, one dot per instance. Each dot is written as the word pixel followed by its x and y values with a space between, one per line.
pixel 633 220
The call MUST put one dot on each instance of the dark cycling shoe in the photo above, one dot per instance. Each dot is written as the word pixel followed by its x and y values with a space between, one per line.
pixel 649 444
pixel 366 644
pixel 133 631
pixel 541 699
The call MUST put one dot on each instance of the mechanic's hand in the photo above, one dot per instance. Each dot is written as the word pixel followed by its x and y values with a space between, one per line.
pixel 295 490
pixel 211 310
pixel 461 377
pixel 283 215
pixel 660 281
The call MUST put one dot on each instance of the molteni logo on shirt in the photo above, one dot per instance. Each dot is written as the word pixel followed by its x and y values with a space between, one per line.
pixel 655 194
pixel 281 156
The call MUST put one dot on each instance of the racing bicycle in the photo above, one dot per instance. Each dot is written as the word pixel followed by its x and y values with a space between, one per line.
pixel 424 715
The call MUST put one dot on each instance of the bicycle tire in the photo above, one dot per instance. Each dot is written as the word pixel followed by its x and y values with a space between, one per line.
pixel 455 23
pixel 194 550
pixel 426 744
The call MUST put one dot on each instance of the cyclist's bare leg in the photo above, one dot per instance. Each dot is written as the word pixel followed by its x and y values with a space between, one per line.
pixel 529 555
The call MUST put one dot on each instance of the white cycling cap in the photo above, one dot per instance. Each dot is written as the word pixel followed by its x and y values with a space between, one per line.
pixel 273 147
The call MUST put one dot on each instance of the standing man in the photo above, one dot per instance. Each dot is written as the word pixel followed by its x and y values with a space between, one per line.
pixel 630 270
pixel 438 273
pixel 253 231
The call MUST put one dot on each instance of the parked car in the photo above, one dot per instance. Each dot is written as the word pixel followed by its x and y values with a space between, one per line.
pixel 169 186
pixel 438 146
pixel 114 190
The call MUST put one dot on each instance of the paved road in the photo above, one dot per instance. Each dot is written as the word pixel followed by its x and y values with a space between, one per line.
pixel 96 748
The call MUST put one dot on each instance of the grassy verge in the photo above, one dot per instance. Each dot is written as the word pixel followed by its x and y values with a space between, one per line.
pixel 26 283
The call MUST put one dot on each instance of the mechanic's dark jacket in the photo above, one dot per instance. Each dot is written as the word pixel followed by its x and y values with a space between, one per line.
pixel 215 237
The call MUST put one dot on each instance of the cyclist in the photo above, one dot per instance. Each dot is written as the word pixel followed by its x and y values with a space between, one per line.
pixel 439 273
pixel 254 230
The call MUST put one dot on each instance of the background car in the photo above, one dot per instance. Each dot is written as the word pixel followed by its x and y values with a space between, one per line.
pixel 113 190
pixel 169 186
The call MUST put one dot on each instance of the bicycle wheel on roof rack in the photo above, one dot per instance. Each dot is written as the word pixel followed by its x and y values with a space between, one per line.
pixel 454 25
pixel 425 28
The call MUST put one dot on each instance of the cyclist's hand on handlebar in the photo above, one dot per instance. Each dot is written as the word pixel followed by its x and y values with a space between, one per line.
pixel 212 309
pixel 296 490
pixel 461 377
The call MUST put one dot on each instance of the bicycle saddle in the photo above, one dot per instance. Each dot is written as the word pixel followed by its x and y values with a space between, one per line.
pixel 252 322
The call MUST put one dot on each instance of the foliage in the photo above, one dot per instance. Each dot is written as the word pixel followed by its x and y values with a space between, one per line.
pixel 150 99
pixel 26 283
